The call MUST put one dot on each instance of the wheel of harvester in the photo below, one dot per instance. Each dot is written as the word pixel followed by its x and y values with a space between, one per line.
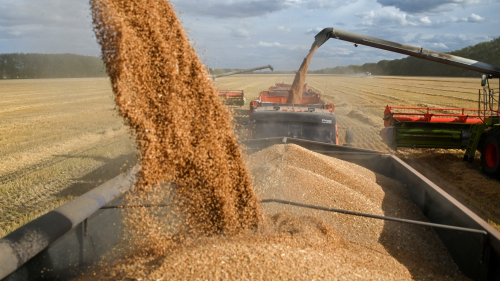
pixel 490 153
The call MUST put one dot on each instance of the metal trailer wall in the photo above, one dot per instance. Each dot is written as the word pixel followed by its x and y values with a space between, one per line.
pixel 478 256
pixel 79 250
pixel 57 245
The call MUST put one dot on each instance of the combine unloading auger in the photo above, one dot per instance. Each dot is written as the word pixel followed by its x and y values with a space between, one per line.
pixel 243 71
pixel 236 97
pixel 454 128
pixel 404 49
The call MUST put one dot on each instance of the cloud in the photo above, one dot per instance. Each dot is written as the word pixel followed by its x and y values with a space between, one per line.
pixel 298 47
pixel 320 4
pixel 420 6
pixel 391 18
pixel 446 42
pixel 388 18
pixel 326 4
pixel 425 20
pixel 234 8
pixel 265 44
pixel 284 29
pixel 240 33
pixel 475 18
pixel 252 8
pixel 333 51
pixel 47 12
pixel 314 30
pixel 47 26
pixel 440 46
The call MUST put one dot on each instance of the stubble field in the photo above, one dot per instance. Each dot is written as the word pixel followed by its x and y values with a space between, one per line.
pixel 59 138
pixel 62 137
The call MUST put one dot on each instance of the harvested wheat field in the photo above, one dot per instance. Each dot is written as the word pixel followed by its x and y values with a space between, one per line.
pixel 59 138
pixel 359 105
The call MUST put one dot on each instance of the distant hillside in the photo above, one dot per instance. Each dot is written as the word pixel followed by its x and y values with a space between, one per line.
pixel 19 65
pixel 488 52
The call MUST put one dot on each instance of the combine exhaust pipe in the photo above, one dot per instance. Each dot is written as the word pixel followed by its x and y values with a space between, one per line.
pixel 413 51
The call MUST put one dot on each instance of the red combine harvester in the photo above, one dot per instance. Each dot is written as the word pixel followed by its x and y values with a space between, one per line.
pixel 312 119
pixel 236 97
pixel 453 128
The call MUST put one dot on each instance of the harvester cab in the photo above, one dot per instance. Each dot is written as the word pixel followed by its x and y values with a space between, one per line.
pixel 453 128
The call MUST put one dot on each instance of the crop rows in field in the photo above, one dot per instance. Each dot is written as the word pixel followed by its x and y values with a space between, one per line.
pixel 54 135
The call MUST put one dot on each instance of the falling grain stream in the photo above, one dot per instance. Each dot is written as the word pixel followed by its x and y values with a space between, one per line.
pixel 295 92
pixel 190 159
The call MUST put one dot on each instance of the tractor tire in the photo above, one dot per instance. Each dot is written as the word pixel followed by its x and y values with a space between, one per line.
pixel 490 153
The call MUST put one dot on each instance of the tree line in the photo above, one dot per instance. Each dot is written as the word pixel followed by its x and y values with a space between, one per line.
pixel 488 52
pixel 29 66
pixel 23 66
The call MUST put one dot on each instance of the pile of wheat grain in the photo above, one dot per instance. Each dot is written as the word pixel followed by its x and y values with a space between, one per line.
pixel 293 173
pixel 295 243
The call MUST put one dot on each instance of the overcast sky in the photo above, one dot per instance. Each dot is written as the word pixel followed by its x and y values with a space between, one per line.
pixel 249 33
